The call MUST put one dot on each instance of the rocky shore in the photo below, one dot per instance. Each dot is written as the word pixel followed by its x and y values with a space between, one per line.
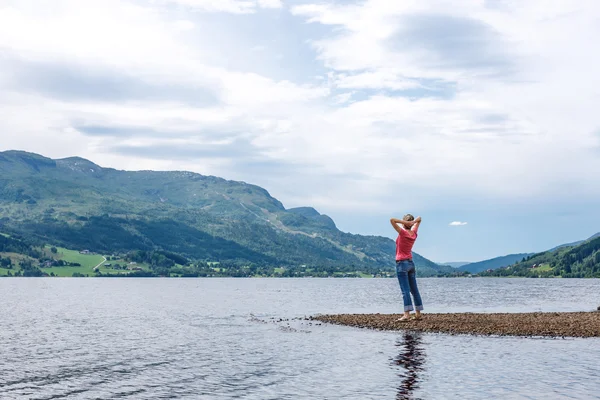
pixel 577 324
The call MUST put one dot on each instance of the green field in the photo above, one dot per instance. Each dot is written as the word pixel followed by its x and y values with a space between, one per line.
pixel 68 271
pixel 106 270
pixel 543 268
pixel 88 261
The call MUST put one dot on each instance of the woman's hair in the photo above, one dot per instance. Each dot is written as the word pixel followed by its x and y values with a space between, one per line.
pixel 408 217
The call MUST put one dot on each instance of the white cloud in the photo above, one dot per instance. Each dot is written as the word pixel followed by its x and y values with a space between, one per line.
pixel 231 6
pixel 394 110
pixel 184 25
pixel 343 98
pixel 379 79
pixel 457 223
pixel 270 3
pixel 503 119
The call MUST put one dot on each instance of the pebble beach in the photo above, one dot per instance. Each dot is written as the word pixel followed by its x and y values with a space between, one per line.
pixel 549 324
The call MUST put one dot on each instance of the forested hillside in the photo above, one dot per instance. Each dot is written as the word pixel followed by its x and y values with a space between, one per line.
pixel 493 263
pixel 77 204
pixel 581 261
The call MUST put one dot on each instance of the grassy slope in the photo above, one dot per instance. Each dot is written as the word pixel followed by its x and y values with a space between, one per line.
pixel 16 259
pixel 87 261
pixel 216 219
pixel 578 261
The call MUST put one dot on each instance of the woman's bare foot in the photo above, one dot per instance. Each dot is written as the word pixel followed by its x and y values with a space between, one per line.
pixel 417 315
pixel 405 317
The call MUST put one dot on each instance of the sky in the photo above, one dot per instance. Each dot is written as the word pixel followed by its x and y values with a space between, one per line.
pixel 481 116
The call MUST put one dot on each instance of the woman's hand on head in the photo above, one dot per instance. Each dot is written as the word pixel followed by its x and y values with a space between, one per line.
pixel 403 222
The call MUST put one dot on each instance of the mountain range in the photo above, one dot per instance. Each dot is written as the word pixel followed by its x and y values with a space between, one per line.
pixel 510 259
pixel 577 243
pixel 78 204
pixel 493 263
pixel 456 264
pixel 581 260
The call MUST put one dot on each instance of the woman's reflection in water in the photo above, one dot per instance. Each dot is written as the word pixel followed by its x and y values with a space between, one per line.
pixel 412 358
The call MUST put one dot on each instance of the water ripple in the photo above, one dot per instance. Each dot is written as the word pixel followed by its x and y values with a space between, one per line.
pixel 246 339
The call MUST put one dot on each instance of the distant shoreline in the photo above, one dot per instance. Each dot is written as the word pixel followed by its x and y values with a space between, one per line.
pixel 286 277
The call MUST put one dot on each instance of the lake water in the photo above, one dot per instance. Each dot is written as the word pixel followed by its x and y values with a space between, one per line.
pixel 237 338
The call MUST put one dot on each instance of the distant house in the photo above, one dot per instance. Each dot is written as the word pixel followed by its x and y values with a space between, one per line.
pixel 132 263
pixel 107 264
pixel 84 252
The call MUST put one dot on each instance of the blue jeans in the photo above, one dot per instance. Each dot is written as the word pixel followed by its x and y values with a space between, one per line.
pixel 405 270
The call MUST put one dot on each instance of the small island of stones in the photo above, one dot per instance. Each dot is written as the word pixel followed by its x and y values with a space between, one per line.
pixel 544 324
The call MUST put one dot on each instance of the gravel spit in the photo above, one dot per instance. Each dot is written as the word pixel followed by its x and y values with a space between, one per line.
pixel 551 324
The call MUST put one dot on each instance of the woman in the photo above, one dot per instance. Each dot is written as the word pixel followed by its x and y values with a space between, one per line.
pixel 405 268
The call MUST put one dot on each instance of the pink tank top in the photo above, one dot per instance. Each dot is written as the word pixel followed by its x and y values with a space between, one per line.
pixel 404 244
